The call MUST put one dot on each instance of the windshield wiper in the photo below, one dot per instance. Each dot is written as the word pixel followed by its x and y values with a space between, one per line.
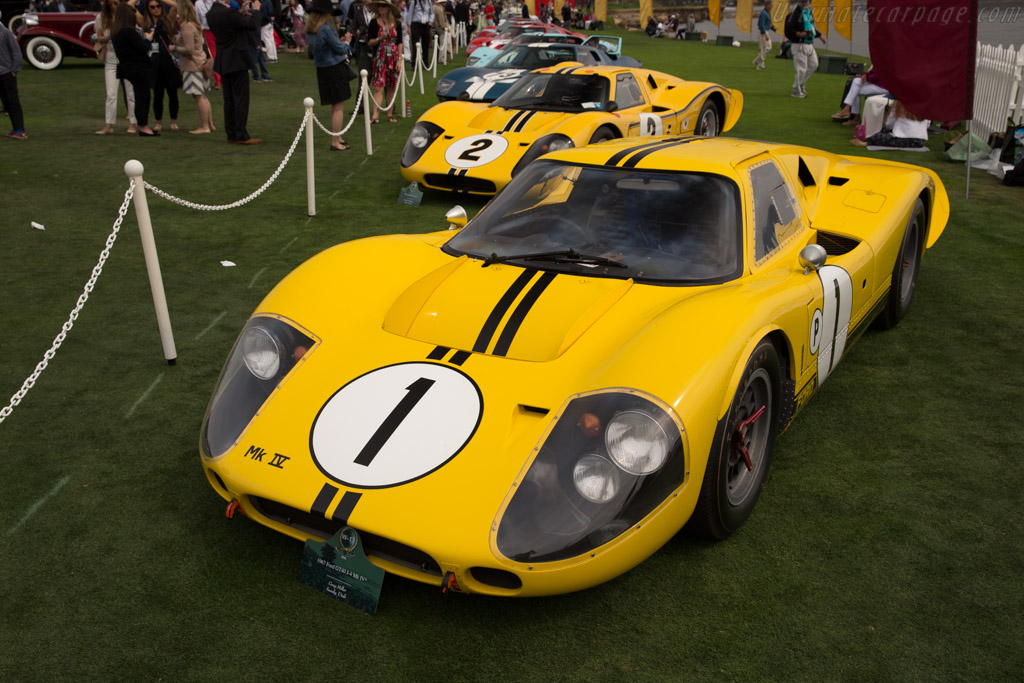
pixel 559 256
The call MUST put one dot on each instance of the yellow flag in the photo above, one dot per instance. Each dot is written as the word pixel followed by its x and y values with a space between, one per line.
pixel 556 8
pixel 601 10
pixel 779 13
pixel 714 10
pixel 819 8
pixel 744 13
pixel 646 12
pixel 844 18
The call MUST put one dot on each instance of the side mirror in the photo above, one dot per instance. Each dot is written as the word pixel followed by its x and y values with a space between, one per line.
pixel 612 106
pixel 812 257
pixel 457 218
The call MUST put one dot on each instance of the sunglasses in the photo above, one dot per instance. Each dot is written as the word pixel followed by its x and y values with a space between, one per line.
pixel 156 7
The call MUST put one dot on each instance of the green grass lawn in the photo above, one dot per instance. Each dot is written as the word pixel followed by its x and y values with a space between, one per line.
pixel 886 545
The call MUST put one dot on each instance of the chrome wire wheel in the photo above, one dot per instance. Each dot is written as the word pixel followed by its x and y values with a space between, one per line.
pixel 749 437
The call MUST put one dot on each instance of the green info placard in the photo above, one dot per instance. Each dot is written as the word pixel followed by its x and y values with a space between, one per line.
pixel 338 567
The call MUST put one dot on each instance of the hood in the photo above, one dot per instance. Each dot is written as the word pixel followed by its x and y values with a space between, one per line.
pixel 529 122
pixel 502 310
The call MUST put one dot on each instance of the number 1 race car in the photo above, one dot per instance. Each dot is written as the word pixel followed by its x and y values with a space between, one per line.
pixel 537 402
pixel 477 148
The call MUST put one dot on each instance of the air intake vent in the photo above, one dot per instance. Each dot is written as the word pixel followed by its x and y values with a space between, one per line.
pixel 836 245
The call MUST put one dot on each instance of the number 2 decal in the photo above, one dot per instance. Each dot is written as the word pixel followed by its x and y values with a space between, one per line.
pixel 475 150
pixel 395 424
pixel 831 323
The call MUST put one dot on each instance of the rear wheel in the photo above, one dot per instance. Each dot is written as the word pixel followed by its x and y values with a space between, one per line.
pixel 44 53
pixel 904 273
pixel 742 449
pixel 15 23
pixel 600 135
pixel 708 122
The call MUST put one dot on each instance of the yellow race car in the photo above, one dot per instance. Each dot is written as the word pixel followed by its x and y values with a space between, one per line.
pixel 476 148
pixel 534 402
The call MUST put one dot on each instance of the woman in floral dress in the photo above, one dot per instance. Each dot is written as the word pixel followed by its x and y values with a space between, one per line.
pixel 385 39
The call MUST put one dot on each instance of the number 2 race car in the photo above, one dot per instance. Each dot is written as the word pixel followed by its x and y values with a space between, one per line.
pixel 476 148
pixel 535 403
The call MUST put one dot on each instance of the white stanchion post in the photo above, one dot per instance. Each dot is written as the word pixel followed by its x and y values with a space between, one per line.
pixel 436 60
pixel 420 64
pixel 134 169
pixel 366 110
pixel 310 176
pixel 401 92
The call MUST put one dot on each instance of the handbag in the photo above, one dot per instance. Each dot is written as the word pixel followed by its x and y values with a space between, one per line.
pixel 352 75
pixel 208 64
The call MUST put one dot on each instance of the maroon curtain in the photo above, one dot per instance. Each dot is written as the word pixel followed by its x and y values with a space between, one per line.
pixel 924 52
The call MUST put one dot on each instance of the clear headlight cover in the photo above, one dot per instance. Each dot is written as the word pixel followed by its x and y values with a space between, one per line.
pixel 267 350
pixel 444 85
pixel 609 460
pixel 420 137
pixel 548 143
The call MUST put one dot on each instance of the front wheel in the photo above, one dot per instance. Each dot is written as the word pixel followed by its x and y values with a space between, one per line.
pixel 904 273
pixel 600 135
pixel 707 123
pixel 15 23
pixel 742 449
pixel 44 53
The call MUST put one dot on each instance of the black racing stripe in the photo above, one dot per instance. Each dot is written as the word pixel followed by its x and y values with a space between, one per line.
pixel 464 171
pixel 619 156
pixel 438 353
pixel 512 121
pixel 499 310
pixel 505 340
pixel 452 171
pixel 523 121
pixel 346 506
pixel 323 500
pixel 639 156
pixel 460 357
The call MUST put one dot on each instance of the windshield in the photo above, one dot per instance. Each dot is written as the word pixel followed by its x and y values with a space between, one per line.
pixel 570 92
pixel 652 226
pixel 531 56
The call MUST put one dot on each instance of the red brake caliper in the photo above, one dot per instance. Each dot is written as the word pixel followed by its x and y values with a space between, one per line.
pixel 739 437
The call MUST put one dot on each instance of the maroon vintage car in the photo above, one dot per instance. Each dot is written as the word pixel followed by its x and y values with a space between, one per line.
pixel 48 37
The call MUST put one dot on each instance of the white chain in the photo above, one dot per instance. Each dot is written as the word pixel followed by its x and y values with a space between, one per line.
pixel 390 104
pixel 244 200
pixel 355 110
pixel 59 339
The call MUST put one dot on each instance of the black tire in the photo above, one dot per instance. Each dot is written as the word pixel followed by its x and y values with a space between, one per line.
pixel 709 122
pixel 730 490
pixel 600 135
pixel 904 272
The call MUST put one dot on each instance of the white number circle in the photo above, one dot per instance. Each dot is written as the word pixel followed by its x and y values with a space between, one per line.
pixel 650 124
pixel 476 150
pixel 395 424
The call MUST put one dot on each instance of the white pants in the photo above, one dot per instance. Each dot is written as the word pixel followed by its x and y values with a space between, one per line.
pixel 763 48
pixel 110 79
pixel 861 88
pixel 267 34
pixel 805 63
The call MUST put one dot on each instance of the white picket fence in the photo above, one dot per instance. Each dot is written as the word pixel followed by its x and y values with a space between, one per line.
pixel 998 89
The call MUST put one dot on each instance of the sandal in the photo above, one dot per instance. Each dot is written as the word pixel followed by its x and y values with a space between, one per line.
pixel 374 120
pixel 174 126
pixel 841 118
pixel 340 148
pixel 392 119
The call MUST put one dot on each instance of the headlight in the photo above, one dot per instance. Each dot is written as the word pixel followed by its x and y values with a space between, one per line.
pixel 444 85
pixel 548 143
pixel 30 19
pixel 471 60
pixel 637 442
pixel 595 479
pixel 610 458
pixel 266 352
pixel 260 352
pixel 421 136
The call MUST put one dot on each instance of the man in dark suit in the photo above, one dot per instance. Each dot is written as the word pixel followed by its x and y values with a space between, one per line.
pixel 230 30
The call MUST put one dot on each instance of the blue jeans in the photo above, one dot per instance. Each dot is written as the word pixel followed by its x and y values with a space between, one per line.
pixel 259 64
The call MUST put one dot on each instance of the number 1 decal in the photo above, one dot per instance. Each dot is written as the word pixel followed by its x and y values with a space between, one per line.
pixel 831 323
pixel 395 424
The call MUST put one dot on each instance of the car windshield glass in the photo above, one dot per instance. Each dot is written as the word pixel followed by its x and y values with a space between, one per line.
pixel 532 56
pixel 652 226
pixel 569 92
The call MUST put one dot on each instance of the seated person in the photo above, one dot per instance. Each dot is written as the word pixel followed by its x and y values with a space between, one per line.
pixel 865 85
pixel 904 130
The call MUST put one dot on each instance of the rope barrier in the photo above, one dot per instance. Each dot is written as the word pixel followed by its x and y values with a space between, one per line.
pixel 351 121
pixel 244 200
pixel 66 327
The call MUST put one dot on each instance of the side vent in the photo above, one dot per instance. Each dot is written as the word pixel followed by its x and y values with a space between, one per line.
pixel 836 245
pixel 806 177
pixel 651 82
pixel 838 182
